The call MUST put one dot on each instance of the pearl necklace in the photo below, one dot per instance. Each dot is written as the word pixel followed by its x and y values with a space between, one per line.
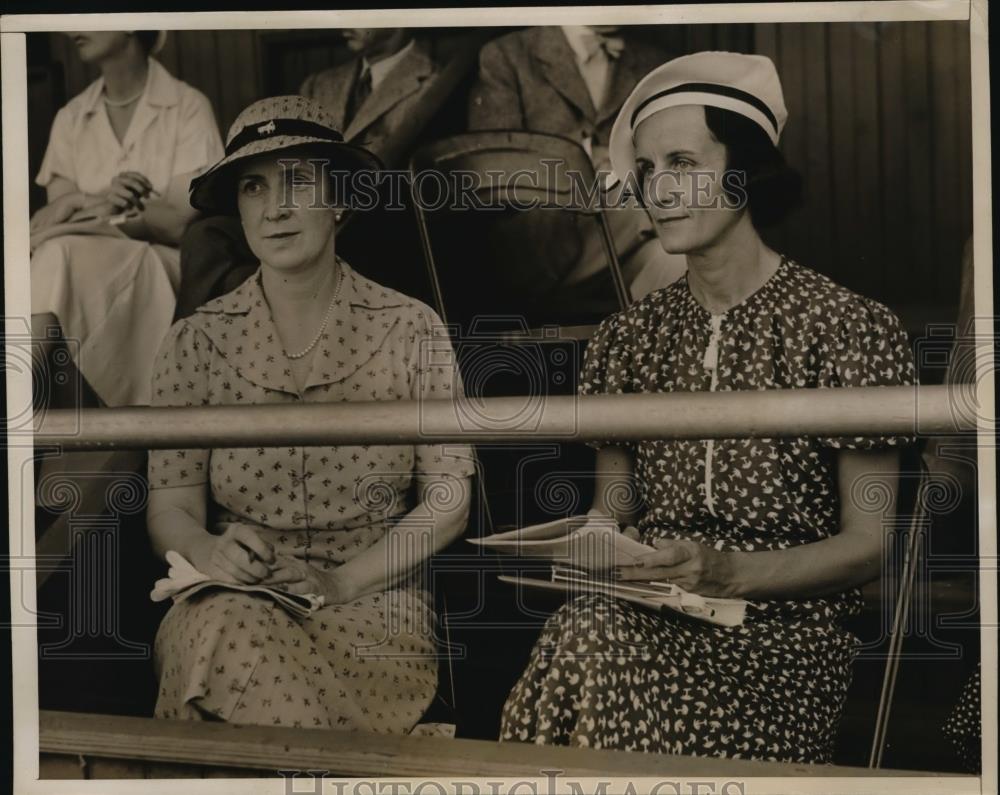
pixel 326 320
pixel 121 103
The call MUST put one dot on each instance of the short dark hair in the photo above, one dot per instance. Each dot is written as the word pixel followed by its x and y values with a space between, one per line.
pixel 147 39
pixel 773 188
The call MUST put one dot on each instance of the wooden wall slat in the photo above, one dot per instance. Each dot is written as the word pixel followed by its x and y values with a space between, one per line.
pixel 78 74
pixel 844 177
pixel 197 50
pixel 918 160
pixel 765 42
pixel 817 146
pixel 733 38
pixel 236 68
pixel 867 163
pixel 945 146
pixel 893 134
pixel 790 64
pixel 700 37
pixel 170 55
pixel 963 122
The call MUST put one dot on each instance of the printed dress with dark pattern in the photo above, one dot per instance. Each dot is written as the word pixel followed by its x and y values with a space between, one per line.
pixel 607 674
pixel 964 726
pixel 369 664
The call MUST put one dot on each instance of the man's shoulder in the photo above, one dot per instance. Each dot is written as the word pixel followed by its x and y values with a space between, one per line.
pixel 328 78
pixel 519 43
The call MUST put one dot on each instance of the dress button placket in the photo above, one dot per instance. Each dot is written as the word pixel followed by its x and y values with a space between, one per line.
pixel 303 482
pixel 711 362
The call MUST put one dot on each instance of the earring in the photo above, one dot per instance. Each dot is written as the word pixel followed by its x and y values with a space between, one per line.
pixel 337 216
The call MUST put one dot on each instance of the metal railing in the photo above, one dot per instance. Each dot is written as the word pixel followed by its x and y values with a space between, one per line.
pixel 863 411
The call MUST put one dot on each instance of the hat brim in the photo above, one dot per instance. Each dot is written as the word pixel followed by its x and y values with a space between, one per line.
pixel 214 192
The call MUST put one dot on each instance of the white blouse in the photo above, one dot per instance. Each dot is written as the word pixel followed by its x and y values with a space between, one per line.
pixel 172 132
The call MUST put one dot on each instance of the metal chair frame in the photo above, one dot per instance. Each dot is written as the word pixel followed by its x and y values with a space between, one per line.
pixel 901 612
pixel 536 149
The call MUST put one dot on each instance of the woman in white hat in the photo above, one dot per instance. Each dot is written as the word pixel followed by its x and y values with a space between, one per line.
pixel 105 265
pixel 349 524
pixel 766 520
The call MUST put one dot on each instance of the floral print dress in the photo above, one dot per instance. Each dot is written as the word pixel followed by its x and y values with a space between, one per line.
pixel 369 664
pixel 607 674
pixel 964 726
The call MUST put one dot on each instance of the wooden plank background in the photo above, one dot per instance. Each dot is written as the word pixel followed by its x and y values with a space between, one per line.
pixel 879 127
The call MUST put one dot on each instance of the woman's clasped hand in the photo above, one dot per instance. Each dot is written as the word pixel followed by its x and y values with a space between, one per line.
pixel 128 191
pixel 240 555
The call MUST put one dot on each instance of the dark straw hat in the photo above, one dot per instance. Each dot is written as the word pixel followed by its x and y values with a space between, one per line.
pixel 273 125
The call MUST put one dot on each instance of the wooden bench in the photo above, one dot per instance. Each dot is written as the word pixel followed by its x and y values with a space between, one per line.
pixel 79 745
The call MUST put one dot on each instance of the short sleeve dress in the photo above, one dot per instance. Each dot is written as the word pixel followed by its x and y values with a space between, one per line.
pixel 114 297
pixel 369 664
pixel 607 674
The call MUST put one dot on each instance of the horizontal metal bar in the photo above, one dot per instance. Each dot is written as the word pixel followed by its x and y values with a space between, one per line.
pixel 868 411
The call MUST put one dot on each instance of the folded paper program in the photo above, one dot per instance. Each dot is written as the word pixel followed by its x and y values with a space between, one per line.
pixel 582 550
pixel 655 595
pixel 591 542
pixel 183 580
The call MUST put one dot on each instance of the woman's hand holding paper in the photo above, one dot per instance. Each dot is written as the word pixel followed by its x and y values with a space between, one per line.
pixel 238 555
pixel 599 544
pixel 688 564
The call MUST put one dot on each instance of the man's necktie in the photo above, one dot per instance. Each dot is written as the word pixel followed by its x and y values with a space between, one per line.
pixel 361 90
pixel 611 46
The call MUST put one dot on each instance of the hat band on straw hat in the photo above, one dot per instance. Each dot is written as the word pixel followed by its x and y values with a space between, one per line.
pixel 712 94
pixel 299 128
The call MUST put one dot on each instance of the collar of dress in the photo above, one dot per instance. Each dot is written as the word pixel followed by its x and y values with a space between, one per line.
pixel 162 90
pixel 241 328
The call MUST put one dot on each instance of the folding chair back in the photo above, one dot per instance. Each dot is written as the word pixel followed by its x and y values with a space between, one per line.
pixel 502 216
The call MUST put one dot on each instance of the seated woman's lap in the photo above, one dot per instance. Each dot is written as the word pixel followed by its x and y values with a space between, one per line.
pixel 242 658
pixel 114 301
pixel 609 674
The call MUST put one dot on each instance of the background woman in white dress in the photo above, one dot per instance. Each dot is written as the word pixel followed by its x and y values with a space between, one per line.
pixel 121 155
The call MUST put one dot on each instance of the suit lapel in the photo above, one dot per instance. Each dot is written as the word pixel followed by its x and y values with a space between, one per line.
pixel 558 66
pixel 404 79
pixel 336 89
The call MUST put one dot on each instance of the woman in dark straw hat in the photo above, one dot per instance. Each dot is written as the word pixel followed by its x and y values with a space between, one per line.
pixel 770 521
pixel 349 525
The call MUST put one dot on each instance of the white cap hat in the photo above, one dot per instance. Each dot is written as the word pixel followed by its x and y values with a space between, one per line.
pixel 744 84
